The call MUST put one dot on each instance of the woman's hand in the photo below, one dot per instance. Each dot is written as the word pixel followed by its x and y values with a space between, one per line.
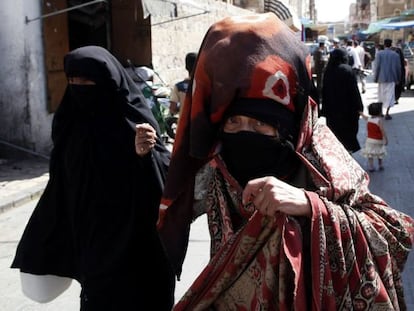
pixel 145 138
pixel 270 196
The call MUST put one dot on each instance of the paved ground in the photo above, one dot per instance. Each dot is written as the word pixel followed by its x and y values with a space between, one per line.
pixel 21 179
pixel 21 182
pixel 12 225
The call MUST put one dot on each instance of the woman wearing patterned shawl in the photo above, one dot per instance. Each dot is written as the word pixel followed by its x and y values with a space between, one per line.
pixel 314 237
pixel 292 222
pixel 96 220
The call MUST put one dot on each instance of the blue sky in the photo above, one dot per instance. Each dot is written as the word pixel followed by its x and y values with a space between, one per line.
pixel 332 10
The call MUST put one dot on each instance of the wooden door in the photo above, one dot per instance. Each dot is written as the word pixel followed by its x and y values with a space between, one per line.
pixel 56 45
pixel 131 33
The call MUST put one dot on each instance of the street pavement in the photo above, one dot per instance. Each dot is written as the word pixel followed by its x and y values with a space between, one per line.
pixel 23 180
pixel 12 224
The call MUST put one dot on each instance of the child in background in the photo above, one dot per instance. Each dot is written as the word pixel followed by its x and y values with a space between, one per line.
pixel 376 137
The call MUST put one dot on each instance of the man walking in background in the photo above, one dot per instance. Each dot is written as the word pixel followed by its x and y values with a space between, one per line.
pixel 336 44
pixel 180 88
pixel 387 73
pixel 360 51
pixel 353 58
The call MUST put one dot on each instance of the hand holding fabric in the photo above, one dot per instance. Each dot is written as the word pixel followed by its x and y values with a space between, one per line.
pixel 271 196
pixel 145 138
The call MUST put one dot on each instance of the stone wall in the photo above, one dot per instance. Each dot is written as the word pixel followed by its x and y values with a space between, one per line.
pixel 24 121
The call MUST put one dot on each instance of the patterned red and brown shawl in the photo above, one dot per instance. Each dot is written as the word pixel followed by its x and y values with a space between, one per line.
pixel 358 244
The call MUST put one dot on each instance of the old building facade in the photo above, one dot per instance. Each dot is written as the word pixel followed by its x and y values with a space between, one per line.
pixel 36 34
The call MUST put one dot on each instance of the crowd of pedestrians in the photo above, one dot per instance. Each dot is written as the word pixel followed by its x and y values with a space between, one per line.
pixel 342 79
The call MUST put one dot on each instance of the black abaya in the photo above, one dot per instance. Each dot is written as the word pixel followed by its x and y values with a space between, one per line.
pixel 96 220
pixel 341 100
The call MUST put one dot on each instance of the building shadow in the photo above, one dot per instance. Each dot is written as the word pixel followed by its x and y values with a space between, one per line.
pixel 20 165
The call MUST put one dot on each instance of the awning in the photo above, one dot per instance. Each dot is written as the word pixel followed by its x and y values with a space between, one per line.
pixel 398 25
pixel 284 12
pixel 319 28
pixel 376 26
pixel 407 12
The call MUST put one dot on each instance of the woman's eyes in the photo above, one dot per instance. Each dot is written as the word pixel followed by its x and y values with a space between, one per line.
pixel 79 80
pixel 233 120
pixel 242 123
pixel 235 123
pixel 260 123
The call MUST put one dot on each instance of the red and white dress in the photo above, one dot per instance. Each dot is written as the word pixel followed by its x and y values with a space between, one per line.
pixel 374 144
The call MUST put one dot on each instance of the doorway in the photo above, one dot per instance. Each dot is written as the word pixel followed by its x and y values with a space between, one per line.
pixel 116 25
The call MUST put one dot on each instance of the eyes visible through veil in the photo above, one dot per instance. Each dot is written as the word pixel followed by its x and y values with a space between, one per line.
pixel 239 123
pixel 80 81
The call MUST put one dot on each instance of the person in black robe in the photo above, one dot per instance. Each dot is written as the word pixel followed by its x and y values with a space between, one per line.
pixel 96 220
pixel 399 87
pixel 341 100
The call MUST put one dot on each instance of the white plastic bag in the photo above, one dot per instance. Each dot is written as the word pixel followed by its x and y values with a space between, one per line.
pixel 43 288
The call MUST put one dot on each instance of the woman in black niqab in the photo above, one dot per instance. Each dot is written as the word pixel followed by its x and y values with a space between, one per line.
pixel 96 220
pixel 341 100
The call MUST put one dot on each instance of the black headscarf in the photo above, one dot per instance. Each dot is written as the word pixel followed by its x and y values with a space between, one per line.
pixel 338 56
pixel 98 65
